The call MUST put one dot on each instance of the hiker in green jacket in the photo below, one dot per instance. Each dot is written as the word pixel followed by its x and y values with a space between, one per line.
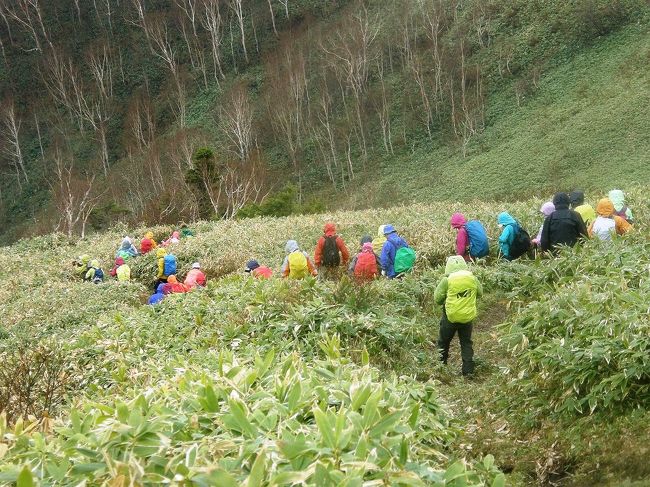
pixel 457 293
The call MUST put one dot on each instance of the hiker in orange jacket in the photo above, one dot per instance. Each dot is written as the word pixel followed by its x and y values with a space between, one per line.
pixel 173 286
pixel 331 252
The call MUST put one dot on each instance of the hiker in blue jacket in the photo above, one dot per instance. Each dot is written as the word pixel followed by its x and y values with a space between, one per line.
pixel 393 243
pixel 509 226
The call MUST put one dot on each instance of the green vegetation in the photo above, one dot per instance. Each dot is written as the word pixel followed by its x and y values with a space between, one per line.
pixel 277 382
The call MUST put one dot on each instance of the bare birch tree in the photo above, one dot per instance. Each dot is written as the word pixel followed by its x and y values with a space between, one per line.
pixel 213 22
pixel 236 122
pixel 11 124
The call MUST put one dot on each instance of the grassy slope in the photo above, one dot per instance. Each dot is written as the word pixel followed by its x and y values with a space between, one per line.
pixel 586 126
pixel 107 325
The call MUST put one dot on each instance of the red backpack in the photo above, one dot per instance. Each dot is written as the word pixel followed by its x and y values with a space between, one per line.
pixel 366 267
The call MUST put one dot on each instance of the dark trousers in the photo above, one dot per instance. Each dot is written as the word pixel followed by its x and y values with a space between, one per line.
pixel 447 332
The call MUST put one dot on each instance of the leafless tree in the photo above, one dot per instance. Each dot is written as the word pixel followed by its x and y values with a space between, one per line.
pixel 238 10
pixel 275 30
pixel 236 122
pixel 213 23
pixel 29 16
pixel 11 124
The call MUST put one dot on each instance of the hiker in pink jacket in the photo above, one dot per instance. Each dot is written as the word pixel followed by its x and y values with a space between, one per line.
pixel 458 222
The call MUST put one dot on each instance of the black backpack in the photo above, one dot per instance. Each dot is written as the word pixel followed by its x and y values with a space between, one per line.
pixel 521 243
pixel 331 256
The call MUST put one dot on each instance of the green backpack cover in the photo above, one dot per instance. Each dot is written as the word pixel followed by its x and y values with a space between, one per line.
pixel 404 260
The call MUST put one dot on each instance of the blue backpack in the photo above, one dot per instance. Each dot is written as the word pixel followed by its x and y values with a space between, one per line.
pixel 99 276
pixel 478 241
pixel 169 265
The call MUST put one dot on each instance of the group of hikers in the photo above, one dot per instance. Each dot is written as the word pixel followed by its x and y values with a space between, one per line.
pixel 567 220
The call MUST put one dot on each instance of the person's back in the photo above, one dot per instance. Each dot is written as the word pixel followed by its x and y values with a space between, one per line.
pixel 546 209
pixel 81 265
pixel 366 266
pixel 607 224
pixel 148 243
pixel 563 227
pixel 258 271
pixel 173 286
pixel 331 252
pixel 509 230
pixel 127 249
pixel 457 292
pixel 297 264
pixel 389 251
pixel 195 277
pixel 95 273
pixel 158 296
pixel 124 273
pixel 458 222
pixel 585 210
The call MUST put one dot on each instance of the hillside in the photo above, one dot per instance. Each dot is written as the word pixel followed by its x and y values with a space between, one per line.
pixel 293 383
pixel 355 104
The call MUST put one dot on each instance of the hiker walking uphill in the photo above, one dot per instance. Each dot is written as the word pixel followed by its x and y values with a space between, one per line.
pixel 158 296
pixel 457 293
pixel 471 239
pixel 563 227
pixel 81 265
pixel 608 224
pixel 397 258
pixel 514 241
pixel 121 270
pixel 297 264
pixel 331 253
pixel 166 266
pixel 366 239
pixel 147 244
pixel 585 210
pixel 617 197
pixel 365 266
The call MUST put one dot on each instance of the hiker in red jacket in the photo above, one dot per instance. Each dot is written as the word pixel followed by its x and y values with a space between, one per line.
pixel 331 253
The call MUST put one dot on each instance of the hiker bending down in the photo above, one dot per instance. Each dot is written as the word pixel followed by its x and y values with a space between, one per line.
pixel 297 264
pixel 258 271
pixel 81 265
pixel 379 241
pixel 174 239
pixel 620 208
pixel 121 270
pixel 563 227
pixel 608 224
pixel 195 277
pixel 331 253
pixel 546 210
pixel 127 249
pixel 514 240
pixel 173 286
pixel 397 258
pixel 185 231
pixel 353 263
pixel 166 266
pixel 585 210
pixel 471 239
pixel 95 273
pixel 457 293
pixel 147 244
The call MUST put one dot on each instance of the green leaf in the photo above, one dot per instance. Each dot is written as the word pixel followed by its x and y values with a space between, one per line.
pixel 499 481
pixel 256 477
pixel 325 427
pixel 385 424
pixel 25 478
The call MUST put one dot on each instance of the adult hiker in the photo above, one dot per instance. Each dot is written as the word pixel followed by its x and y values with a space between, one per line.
pixel 185 231
pixel 379 241
pixel 147 244
pixel 471 239
pixel 121 270
pixel 514 241
pixel 127 249
pixel 81 265
pixel 620 208
pixel 161 277
pixel 173 286
pixel 457 293
pixel 546 210
pixel 297 264
pixel 608 224
pixel 331 253
pixel 366 265
pixel 397 258
pixel 585 210
pixel 158 296
pixel 95 274
pixel 563 227
pixel 353 262
pixel 174 239
pixel 195 277
pixel 258 271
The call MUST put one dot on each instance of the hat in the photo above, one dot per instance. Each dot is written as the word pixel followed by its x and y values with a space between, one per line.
pixel 366 239
pixel 389 229
pixel 251 265
pixel 367 247
pixel 196 265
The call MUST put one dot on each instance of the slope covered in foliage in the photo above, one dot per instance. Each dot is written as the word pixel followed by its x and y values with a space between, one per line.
pixel 315 382
pixel 354 103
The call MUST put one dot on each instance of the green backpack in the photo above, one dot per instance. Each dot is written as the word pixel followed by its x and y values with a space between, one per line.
pixel 404 260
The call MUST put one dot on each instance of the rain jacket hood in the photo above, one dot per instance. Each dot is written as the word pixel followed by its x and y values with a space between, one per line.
pixel 605 207
pixel 94 263
pixel 388 229
pixel 172 280
pixel 547 208
pixel 159 289
pixel 292 246
pixel 458 220
pixel 329 229
pixel 84 259
pixel 505 218
pixel 380 231
pixel 561 201
pixel 617 197
pixel 149 235
pixel 176 235
pixel 577 198
pixel 455 263
pixel 396 240
pixel 126 243
pixel 160 253
pixel 367 247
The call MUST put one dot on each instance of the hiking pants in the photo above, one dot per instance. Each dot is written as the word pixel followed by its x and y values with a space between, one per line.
pixel 447 332
pixel 330 273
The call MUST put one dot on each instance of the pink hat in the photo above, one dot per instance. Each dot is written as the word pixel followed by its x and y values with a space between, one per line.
pixel 367 247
